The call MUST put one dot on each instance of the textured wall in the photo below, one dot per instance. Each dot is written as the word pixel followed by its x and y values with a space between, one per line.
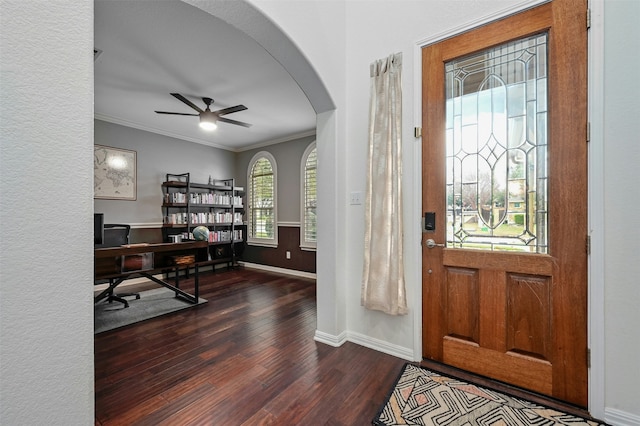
pixel 46 260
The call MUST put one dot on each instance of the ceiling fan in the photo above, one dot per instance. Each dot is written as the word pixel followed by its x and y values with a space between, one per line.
pixel 208 118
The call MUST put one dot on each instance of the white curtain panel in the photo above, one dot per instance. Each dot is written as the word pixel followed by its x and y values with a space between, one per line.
pixel 383 286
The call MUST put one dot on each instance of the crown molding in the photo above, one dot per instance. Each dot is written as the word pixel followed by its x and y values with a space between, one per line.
pixel 126 123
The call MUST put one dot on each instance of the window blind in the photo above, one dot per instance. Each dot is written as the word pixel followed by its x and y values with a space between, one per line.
pixel 310 197
pixel 261 201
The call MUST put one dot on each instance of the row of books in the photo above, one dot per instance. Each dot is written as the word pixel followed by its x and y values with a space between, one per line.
pixel 183 218
pixel 222 236
pixel 203 198
pixel 214 198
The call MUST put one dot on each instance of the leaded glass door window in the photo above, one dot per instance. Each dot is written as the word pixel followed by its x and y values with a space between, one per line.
pixel 496 148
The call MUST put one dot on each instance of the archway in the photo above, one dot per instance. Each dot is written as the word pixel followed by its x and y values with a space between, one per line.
pixel 251 21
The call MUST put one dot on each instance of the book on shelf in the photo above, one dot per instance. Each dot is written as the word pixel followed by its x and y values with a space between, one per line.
pixel 219 236
pixel 176 219
pixel 202 218
pixel 211 199
pixel 175 198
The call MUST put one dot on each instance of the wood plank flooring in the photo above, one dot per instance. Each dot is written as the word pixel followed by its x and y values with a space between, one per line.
pixel 247 357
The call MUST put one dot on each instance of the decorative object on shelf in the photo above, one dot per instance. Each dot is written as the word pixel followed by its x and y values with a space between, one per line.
pixel 201 233
pixel 114 173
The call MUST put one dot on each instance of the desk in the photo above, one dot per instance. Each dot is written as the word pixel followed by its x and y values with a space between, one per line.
pixel 109 265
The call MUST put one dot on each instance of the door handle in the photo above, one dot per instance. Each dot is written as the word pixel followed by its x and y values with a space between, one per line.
pixel 430 243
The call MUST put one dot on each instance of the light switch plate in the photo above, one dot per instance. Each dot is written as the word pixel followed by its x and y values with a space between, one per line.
pixel 356 197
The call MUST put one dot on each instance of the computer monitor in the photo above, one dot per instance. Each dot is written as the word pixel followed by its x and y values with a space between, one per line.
pixel 98 228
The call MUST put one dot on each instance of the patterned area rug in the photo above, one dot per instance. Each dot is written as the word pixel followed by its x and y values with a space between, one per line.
pixel 152 303
pixel 422 397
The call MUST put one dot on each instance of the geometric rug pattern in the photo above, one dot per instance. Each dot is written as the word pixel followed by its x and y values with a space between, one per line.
pixel 422 397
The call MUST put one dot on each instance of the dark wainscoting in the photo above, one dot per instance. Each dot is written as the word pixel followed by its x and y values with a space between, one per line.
pixel 288 240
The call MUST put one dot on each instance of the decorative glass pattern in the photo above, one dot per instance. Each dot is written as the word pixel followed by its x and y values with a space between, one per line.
pixel 496 156
pixel 261 200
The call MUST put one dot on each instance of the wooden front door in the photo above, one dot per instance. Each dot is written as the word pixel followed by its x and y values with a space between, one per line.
pixel 505 200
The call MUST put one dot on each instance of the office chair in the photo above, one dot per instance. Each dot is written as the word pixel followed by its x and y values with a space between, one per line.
pixel 116 235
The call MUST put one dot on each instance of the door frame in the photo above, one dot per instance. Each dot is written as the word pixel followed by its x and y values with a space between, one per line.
pixel 595 194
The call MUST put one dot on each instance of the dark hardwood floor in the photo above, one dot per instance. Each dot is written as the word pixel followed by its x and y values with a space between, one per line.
pixel 247 357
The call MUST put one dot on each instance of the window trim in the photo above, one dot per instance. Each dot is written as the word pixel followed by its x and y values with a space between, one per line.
pixel 304 244
pixel 264 242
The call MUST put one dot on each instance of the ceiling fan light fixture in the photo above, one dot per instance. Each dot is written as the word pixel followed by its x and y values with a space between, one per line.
pixel 208 125
pixel 208 120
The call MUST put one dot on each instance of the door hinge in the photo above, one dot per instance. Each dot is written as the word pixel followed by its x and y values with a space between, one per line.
pixel 588 245
pixel 417 132
pixel 588 18
pixel 588 357
pixel 588 131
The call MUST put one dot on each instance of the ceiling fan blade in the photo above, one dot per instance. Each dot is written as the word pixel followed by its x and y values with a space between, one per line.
pixel 229 110
pixel 187 101
pixel 237 123
pixel 176 113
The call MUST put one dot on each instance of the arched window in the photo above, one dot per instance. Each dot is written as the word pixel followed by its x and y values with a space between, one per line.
pixel 261 200
pixel 308 198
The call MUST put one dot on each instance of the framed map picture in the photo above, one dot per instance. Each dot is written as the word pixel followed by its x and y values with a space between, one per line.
pixel 114 173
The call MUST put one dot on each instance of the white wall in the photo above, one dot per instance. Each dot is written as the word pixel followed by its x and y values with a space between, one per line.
pixel 621 202
pixel 46 175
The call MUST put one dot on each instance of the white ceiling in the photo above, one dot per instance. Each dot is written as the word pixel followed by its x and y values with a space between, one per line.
pixel 153 48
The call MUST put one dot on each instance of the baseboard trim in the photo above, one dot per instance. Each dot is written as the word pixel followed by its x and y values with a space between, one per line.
pixel 330 339
pixel 620 418
pixel 381 346
pixel 268 268
pixel 366 341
